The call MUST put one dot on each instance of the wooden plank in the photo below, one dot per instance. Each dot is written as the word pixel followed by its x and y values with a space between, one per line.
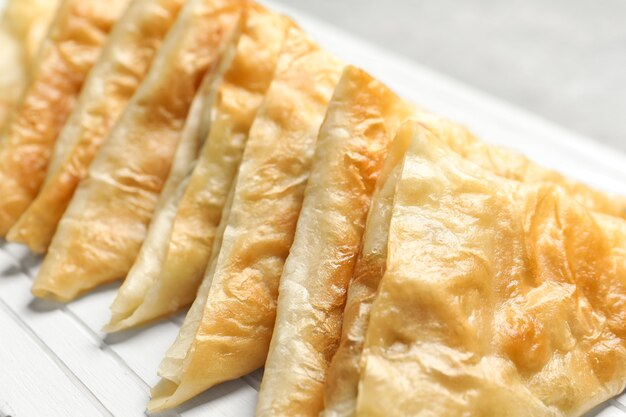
pixel 611 411
pixel 30 377
pixel 141 350
pixel 103 375
pixel 621 401
pixel 230 399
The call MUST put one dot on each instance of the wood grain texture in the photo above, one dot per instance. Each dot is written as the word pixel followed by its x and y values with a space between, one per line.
pixel 30 371
pixel 53 358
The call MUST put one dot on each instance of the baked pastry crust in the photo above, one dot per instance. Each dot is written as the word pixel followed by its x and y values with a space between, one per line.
pixel 125 60
pixel 22 29
pixel 513 165
pixel 341 389
pixel 361 121
pixel 68 53
pixel 499 297
pixel 227 331
pixel 101 232
pixel 342 382
pixel 174 256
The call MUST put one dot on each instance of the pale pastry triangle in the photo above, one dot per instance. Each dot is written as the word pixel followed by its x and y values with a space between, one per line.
pixel 68 53
pixel 22 29
pixel 124 62
pixel 227 332
pixel 360 124
pixel 509 164
pixel 342 381
pixel 174 256
pixel 101 232
pixel 499 297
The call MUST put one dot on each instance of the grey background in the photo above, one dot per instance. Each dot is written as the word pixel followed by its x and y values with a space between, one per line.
pixel 564 60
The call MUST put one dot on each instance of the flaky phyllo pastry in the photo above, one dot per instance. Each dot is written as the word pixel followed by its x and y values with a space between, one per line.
pixel 342 381
pixel 341 388
pixel 512 165
pixel 101 232
pixel 70 50
pixel 361 121
pixel 175 254
pixel 378 259
pixel 113 80
pixel 22 29
pixel 228 329
pixel 499 297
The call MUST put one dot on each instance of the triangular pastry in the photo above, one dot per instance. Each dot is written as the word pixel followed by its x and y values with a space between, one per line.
pixel 125 60
pixel 228 329
pixel 70 50
pixel 101 232
pixel 174 256
pixel 22 29
pixel 499 297
pixel 509 164
pixel 361 121
pixel 342 382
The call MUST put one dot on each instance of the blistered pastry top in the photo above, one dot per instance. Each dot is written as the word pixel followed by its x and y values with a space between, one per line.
pixel 500 298
pixel 352 144
pixel 102 230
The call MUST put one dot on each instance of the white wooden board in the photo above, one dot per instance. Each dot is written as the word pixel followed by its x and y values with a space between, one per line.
pixel 55 361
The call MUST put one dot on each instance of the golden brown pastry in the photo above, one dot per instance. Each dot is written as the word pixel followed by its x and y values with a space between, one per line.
pixel 341 384
pixel 228 329
pixel 361 121
pixel 67 55
pixel 101 232
pixel 342 379
pixel 509 164
pixel 175 254
pixel 22 29
pixel 125 60
pixel 499 297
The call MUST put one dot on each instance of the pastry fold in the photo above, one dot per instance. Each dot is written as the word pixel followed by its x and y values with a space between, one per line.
pixel 174 256
pixel 100 234
pixel 360 123
pixel 226 333
pixel 342 381
pixel 124 62
pixel 499 297
pixel 22 29
pixel 68 53
pixel 340 392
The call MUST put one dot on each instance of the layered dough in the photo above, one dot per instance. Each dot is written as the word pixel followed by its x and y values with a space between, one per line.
pixel 174 256
pixel 228 329
pixel 101 232
pixel 342 382
pixel 70 50
pixel 22 29
pixel 361 121
pixel 209 150
pixel 124 62
pixel 499 297
pixel 509 164
pixel 342 379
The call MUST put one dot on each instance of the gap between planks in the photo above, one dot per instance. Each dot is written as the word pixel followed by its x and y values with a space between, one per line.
pixel 58 361
pixel 30 260
pixel 24 265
